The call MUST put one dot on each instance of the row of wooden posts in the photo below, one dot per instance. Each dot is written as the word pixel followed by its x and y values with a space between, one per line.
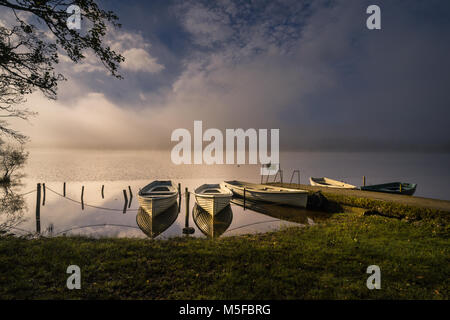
pixel 186 230
pixel 127 202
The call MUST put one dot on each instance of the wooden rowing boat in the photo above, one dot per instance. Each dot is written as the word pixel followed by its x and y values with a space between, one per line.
pixel 158 196
pixel 330 183
pixel 154 226
pixel 212 197
pixel 393 187
pixel 212 226
pixel 266 193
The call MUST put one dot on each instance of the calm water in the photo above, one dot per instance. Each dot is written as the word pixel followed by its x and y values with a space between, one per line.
pixel 119 169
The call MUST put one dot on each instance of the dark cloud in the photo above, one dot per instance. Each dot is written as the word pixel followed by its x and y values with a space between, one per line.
pixel 310 68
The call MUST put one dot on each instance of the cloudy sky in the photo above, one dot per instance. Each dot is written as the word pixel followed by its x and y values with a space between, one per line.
pixel 310 68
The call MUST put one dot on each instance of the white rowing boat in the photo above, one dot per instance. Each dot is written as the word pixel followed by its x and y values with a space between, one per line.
pixel 212 197
pixel 330 183
pixel 260 192
pixel 157 197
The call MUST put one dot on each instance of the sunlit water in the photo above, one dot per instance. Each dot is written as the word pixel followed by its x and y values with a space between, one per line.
pixel 118 170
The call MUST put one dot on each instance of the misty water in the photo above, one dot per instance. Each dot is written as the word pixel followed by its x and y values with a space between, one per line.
pixel 118 170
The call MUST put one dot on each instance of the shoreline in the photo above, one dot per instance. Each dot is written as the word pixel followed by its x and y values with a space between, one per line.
pixel 326 260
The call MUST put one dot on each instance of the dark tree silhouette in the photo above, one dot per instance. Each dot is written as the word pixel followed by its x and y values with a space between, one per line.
pixel 11 159
pixel 29 50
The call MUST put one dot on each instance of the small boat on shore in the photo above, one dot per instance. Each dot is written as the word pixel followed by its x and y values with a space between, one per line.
pixel 266 193
pixel 212 226
pixel 158 196
pixel 330 183
pixel 393 187
pixel 212 197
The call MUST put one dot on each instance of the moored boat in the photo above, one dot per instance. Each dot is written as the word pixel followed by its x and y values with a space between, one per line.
pixel 330 183
pixel 157 196
pixel 266 193
pixel 212 197
pixel 393 187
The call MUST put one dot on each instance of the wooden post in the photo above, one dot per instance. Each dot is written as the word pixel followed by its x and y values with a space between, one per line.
pixel 126 201
pixel 187 207
pixel 82 197
pixel 244 197
pixel 38 209
pixel 131 196
pixel 64 189
pixel 103 191
pixel 179 197
pixel 43 198
pixel 400 187
pixel 364 181
pixel 187 230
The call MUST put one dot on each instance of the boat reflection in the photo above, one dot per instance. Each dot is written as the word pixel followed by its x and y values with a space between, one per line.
pixel 154 226
pixel 210 226
pixel 287 213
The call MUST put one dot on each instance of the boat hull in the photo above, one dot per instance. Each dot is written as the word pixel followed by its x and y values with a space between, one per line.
pixel 296 198
pixel 213 204
pixel 394 187
pixel 155 206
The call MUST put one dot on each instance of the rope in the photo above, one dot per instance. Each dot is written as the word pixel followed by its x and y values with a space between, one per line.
pixel 97 225
pixel 87 205
pixel 24 194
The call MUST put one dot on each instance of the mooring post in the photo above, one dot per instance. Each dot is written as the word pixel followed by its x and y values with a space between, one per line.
pixel 43 198
pixel 38 209
pixel 126 201
pixel 131 196
pixel 64 189
pixel 179 197
pixel 244 197
pixel 187 206
pixel 187 230
pixel 82 197
pixel 103 191
pixel 364 181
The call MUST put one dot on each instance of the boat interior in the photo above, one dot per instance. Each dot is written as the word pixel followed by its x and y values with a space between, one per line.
pixel 158 189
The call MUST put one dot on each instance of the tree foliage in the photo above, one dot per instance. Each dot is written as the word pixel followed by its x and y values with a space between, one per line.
pixel 30 48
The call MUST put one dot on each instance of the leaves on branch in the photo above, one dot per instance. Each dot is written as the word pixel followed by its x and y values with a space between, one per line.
pixel 28 54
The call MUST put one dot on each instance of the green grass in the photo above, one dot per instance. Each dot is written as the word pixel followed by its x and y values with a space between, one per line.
pixel 326 261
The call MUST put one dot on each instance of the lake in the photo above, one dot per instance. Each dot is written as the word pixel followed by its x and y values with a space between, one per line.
pixel 118 170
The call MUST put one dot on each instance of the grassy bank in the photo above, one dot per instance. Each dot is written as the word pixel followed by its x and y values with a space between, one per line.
pixel 326 261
